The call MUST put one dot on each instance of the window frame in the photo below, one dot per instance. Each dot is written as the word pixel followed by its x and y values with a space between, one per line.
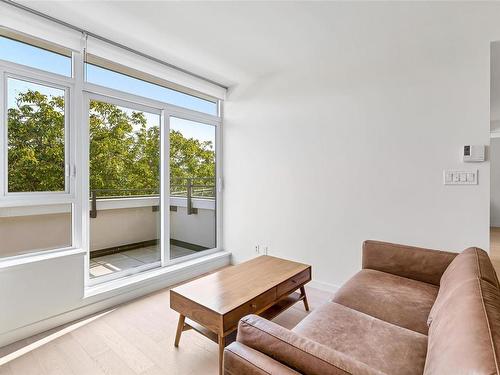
pixel 68 160
pixel 132 73
pixel 202 118
pixel 40 44
pixel 13 70
pixel 121 102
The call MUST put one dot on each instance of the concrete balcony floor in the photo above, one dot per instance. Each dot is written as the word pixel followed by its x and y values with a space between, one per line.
pixel 107 264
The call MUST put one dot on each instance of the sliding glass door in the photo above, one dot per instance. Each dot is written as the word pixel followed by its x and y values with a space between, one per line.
pixel 124 161
pixel 152 186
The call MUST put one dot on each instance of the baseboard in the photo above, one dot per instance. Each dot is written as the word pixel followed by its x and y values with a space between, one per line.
pixel 136 291
pixel 321 285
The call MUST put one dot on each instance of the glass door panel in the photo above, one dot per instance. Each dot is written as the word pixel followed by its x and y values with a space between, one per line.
pixel 193 209
pixel 124 189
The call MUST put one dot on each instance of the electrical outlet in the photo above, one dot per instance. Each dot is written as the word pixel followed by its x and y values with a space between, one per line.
pixel 257 249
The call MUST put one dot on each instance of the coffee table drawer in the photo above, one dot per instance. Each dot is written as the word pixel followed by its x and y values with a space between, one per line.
pixel 251 307
pixel 294 282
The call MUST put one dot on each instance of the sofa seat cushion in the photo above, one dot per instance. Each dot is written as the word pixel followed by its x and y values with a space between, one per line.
pixel 394 299
pixel 382 346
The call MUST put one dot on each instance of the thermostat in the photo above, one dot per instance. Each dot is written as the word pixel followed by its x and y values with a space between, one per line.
pixel 473 153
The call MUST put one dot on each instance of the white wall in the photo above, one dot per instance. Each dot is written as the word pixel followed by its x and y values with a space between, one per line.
pixel 198 229
pixel 495 182
pixel 123 226
pixel 495 87
pixel 25 234
pixel 351 144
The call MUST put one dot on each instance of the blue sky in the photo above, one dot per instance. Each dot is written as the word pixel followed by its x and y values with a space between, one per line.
pixel 21 53
pixel 11 50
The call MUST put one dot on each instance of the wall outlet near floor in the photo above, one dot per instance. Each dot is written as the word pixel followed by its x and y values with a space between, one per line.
pixel 257 249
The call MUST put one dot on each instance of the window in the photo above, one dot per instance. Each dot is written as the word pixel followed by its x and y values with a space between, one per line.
pixel 192 187
pixel 40 58
pixel 122 82
pixel 120 164
pixel 36 135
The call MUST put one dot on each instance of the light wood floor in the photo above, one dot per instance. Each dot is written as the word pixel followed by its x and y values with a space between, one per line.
pixel 134 338
pixel 137 338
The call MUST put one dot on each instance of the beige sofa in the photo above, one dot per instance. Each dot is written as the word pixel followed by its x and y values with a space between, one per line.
pixel 408 311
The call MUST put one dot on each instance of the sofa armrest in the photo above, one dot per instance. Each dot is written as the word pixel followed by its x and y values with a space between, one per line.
pixel 407 261
pixel 297 352
pixel 240 359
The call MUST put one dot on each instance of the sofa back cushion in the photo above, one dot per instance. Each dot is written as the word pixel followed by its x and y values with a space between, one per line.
pixel 470 264
pixel 464 336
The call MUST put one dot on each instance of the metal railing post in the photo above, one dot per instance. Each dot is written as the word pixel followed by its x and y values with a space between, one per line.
pixel 188 194
pixel 93 209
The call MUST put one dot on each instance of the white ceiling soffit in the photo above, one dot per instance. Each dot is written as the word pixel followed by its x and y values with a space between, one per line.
pixel 30 24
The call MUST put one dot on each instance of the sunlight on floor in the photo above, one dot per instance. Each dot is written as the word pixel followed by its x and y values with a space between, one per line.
pixel 44 340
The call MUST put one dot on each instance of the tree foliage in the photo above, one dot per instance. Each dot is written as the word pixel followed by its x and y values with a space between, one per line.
pixel 124 151
pixel 36 143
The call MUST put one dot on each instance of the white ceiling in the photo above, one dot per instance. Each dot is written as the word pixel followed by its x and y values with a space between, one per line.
pixel 233 42
pixel 227 42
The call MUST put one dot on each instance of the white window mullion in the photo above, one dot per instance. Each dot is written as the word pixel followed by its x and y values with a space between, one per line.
pixel 219 185
pixel 83 182
pixel 165 187
pixel 76 155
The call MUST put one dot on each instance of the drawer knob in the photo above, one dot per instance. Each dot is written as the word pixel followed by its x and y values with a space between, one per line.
pixel 294 281
pixel 253 306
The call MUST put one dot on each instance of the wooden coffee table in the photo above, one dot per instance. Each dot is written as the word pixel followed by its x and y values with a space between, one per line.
pixel 213 305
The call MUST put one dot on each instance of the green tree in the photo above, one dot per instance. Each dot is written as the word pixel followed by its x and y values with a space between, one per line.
pixel 124 152
pixel 191 159
pixel 36 143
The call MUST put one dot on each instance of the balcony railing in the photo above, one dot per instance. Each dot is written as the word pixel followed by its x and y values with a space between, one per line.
pixel 189 188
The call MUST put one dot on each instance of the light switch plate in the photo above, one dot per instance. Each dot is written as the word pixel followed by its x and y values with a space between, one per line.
pixel 453 177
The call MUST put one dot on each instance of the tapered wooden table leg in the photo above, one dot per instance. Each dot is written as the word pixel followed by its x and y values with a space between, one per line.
pixel 303 292
pixel 180 328
pixel 222 345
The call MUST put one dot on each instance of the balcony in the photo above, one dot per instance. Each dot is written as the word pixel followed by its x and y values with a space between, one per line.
pixel 125 225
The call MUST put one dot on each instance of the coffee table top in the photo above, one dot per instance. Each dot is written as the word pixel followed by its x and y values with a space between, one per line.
pixel 230 287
